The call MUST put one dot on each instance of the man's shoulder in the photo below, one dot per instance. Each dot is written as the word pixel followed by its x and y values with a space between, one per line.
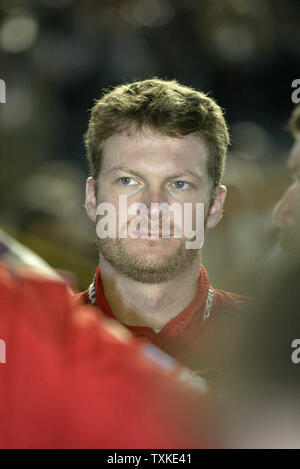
pixel 228 302
pixel 81 298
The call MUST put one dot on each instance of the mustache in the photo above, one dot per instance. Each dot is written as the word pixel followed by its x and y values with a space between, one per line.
pixel 146 224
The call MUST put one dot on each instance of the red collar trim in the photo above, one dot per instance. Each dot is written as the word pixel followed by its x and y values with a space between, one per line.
pixel 196 307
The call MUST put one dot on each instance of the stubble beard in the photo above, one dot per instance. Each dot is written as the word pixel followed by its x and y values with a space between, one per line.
pixel 146 268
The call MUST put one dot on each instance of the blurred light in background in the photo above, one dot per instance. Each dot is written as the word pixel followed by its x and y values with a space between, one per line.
pixel 18 33
pixel 235 43
pixel 56 190
pixel 250 140
pixel 56 4
pixel 57 55
pixel 152 13
pixel 17 112
pixel 236 31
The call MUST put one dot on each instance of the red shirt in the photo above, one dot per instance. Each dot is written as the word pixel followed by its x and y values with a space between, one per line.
pixel 67 382
pixel 202 336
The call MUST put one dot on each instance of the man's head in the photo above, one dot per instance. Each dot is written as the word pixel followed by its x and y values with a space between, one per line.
pixel 287 212
pixel 155 141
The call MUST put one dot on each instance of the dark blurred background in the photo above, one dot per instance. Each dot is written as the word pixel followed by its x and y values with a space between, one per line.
pixel 57 55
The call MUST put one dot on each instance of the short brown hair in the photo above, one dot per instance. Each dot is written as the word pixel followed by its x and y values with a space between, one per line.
pixel 294 122
pixel 165 106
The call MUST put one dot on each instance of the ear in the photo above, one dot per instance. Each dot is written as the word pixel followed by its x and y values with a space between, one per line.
pixel 216 209
pixel 90 199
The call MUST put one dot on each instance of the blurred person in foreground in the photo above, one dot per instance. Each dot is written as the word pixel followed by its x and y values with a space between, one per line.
pixel 156 141
pixel 287 212
pixel 262 406
pixel 16 254
pixel 72 379
pixel 265 406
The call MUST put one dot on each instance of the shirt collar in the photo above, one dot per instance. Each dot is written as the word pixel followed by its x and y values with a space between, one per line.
pixel 199 307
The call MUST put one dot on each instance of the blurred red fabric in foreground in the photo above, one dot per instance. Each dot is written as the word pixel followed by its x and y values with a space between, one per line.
pixel 69 382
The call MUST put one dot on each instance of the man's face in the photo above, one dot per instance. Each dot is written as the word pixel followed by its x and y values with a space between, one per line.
pixel 150 168
pixel 287 212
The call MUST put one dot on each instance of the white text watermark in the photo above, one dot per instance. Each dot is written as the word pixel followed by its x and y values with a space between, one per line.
pixel 2 91
pixel 138 227
pixel 2 351
pixel 296 92
pixel 295 357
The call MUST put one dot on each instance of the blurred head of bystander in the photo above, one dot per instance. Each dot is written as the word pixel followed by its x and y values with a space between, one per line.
pixel 287 212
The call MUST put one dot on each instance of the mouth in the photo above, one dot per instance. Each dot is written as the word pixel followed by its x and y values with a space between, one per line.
pixel 151 235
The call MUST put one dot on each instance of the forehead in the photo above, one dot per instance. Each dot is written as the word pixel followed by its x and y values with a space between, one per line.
pixel 160 154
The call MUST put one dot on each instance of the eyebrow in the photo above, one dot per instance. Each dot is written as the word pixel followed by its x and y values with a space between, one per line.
pixel 188 172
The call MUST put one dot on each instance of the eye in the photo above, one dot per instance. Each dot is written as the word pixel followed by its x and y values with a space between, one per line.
pixel 127 181
pixel 181 185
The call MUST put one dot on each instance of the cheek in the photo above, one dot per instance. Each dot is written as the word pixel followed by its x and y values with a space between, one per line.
pixel 292 199
pixel 194 214
pixel 207 201
pixel 296 202
pixel 297 192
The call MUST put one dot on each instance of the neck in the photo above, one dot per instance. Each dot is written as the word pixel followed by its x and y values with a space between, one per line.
pixel 150 305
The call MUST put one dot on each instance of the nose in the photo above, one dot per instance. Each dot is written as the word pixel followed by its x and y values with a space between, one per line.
pixel 152 199
pixel 154 196
pixel 283 215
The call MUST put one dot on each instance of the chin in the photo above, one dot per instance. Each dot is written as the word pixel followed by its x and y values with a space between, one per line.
pixel 162 246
